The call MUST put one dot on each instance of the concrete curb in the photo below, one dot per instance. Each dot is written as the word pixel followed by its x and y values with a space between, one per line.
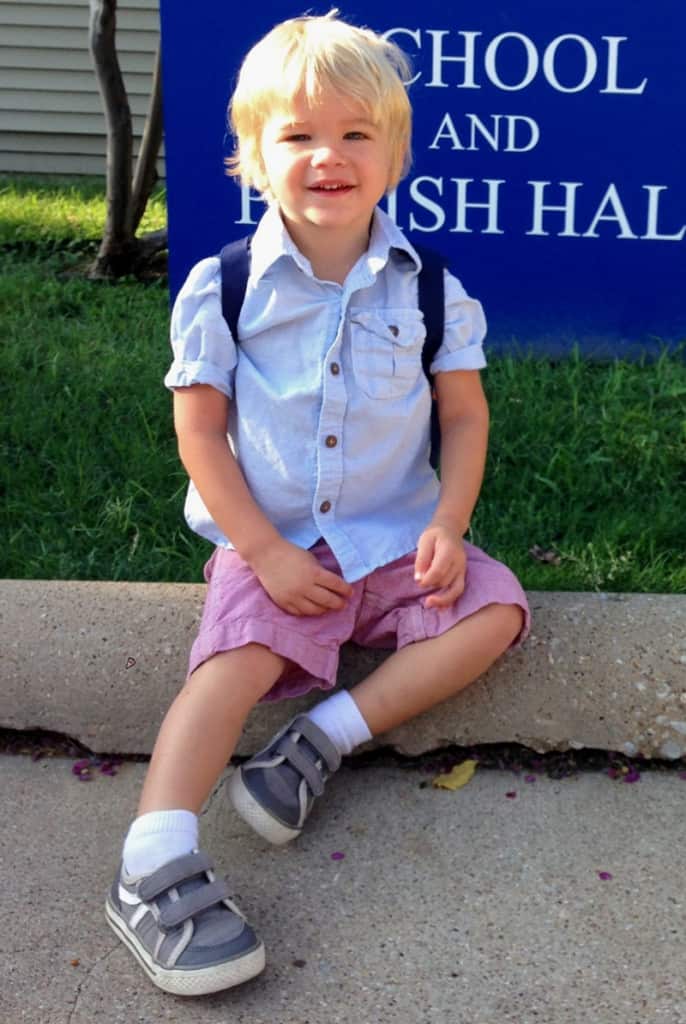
pixel 101 662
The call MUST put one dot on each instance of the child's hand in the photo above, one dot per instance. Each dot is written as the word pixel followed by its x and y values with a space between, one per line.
pixel 296 582
pixel 440 563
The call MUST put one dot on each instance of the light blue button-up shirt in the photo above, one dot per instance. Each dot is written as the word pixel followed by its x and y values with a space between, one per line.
pixel 330 407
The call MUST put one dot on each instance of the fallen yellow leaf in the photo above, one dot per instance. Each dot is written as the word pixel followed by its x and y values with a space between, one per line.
pixel 457 778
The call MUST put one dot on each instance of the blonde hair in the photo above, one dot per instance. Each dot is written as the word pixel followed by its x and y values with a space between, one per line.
pixel 312 54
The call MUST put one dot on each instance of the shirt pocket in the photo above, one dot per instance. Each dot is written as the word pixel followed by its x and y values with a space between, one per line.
pixel 386 347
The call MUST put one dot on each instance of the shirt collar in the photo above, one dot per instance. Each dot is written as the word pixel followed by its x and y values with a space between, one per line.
pixel 272 241
pixel 385 238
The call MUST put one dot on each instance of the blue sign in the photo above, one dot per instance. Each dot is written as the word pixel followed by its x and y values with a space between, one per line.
pixel 549 155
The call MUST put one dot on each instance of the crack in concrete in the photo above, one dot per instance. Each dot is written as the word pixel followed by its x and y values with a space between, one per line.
pixel 83 981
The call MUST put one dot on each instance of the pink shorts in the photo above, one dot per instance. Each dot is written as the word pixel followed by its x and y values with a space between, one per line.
pixel 386 610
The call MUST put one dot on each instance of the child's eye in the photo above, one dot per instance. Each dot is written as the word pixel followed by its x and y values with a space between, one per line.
pixel 296 137
pixel 356 135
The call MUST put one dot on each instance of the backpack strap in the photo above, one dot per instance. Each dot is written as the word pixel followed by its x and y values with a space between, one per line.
pixel 235 269
pixel 431 302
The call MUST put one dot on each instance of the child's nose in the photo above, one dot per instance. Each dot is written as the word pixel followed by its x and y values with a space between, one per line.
pixel 327 155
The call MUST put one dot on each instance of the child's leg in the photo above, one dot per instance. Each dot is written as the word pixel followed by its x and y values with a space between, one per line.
pixel 427 672
pixel 166 904
pixel 275 789
pixel 202 726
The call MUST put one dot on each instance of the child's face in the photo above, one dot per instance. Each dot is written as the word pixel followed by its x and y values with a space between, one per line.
pixel 327 167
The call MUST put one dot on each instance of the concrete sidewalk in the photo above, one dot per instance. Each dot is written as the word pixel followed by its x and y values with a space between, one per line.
pixel 448 908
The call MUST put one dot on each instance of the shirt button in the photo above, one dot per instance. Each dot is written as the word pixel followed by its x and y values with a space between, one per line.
pixel 325 506
pixel 335 369
pixel 331 441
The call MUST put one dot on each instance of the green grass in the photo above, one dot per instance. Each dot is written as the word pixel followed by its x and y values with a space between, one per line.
pixel 588 461
pixel 60 213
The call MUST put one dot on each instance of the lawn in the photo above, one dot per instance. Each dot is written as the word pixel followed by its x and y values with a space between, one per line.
pixel 587 463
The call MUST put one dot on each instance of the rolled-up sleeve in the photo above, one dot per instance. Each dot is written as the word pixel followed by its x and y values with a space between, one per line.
pixel 204 351
pixel 464 331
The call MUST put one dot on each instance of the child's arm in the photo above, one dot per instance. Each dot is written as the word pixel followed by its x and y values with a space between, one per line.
pixel 463 415
pixel 292 577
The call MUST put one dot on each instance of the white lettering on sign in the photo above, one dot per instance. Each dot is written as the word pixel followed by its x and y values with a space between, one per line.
pixel 462 205
pixel 568 208
pixel 470 60
pixel 491 205
pixel 426 204
pixel 247 199
pixel 491 61
pixel 590 65
pixel 612 201
pixel 653 212
pixel 480 207
pixel 493 136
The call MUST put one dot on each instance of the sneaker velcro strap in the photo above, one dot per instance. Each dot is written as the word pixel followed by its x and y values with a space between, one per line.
pixel 319 740
pixel 303 726
pixel 302 764
pixel 169 875
pixel 191 903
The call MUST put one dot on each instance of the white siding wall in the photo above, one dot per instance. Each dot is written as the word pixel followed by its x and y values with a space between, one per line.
pixel 51 117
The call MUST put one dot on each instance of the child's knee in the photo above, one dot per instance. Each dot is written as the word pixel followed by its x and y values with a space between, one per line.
pixel 511 621
pixel 251 669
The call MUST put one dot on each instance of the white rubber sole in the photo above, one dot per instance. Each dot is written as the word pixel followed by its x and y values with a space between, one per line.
pixel 182 982
pixel 254 815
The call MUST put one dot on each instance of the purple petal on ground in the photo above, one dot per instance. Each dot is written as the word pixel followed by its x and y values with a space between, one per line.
pixel 529 778
pixel 605 876
pixel 79 766
pixel 511 795
pixel 633 775
pixel 682 775
pixel 613 773
pixel 337 855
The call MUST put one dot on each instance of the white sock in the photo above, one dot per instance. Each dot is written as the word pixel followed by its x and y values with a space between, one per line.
pixel 158 837
pixel 339 717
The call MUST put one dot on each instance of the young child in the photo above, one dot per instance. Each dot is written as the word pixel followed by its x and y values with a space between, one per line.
pixel 328 521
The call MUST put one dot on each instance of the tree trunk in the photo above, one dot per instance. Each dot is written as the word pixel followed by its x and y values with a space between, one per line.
pixel 120 251
pixel 146 171
pixel 118 241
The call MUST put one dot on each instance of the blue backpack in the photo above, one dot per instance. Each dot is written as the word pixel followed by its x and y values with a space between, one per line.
pixel 235 268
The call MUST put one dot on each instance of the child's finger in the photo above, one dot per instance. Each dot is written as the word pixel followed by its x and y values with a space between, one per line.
pixel 446 598
pixel 442 569
pixel 424 557
pixel 331 581
pixel 307 607
pixel 326 598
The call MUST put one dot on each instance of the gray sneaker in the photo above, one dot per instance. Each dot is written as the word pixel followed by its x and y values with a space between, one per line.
pixel 274 791
pixel 183 929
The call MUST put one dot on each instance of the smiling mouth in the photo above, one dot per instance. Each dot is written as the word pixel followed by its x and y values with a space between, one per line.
pixel 330 188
